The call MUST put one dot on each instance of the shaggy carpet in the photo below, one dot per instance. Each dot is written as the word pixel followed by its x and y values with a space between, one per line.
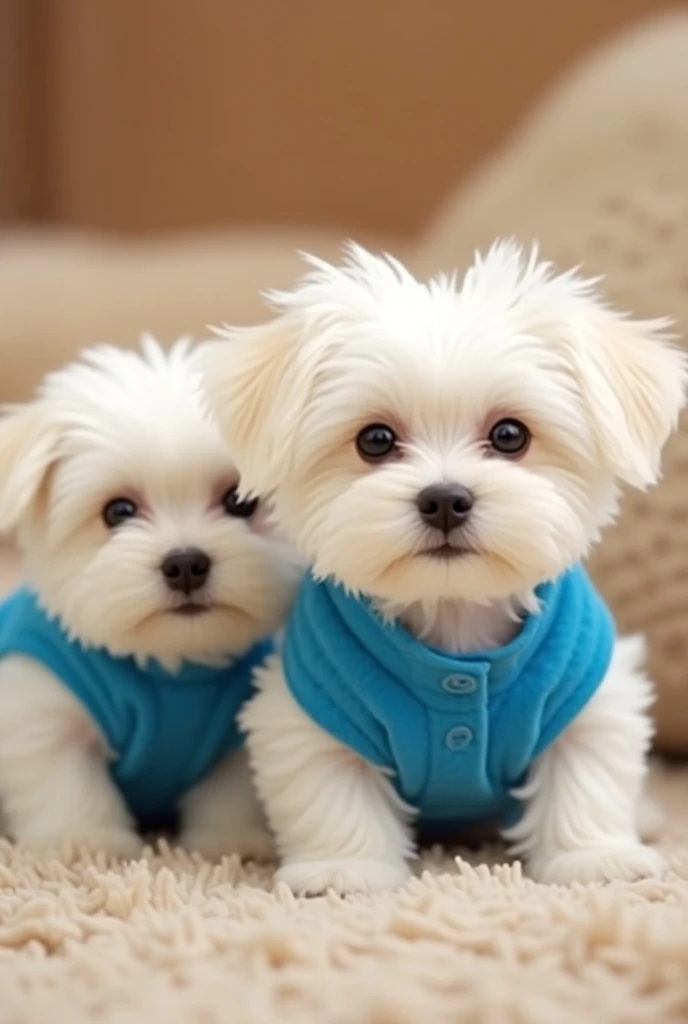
pixel 172 938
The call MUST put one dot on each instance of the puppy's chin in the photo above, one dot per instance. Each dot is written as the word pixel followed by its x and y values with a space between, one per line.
pixel 192 633
pixel 201 633
pixel 472 578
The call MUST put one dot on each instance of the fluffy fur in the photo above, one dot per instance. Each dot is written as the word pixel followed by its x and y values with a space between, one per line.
pixel 119 424
pixel 441 363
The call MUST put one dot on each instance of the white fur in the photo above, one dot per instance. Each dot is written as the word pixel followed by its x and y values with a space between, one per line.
pixel 122 424
pixel 440 363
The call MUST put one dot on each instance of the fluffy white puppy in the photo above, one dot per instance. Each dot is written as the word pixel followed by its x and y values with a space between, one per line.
pixel 443 454
pixel 151 585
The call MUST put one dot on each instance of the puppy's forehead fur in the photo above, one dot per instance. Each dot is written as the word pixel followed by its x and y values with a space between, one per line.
pixel 142 414
pixel 499 294
pixel 442 354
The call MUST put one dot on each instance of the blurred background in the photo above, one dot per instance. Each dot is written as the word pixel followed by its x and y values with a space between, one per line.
pixel 161 161
pixel 134 116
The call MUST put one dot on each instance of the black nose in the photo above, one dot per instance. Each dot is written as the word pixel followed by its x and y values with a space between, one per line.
pixel 445 506
pixel 186 569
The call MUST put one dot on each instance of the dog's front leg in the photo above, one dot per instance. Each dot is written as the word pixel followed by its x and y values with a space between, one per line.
pixel 583 795
pixel 221 815
pixel 338 821
pixel 54 780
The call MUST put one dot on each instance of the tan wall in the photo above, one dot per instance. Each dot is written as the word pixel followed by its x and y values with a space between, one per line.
pixel 150 114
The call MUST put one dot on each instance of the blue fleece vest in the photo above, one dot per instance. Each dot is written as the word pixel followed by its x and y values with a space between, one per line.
pixel 165 731
pixel 457 732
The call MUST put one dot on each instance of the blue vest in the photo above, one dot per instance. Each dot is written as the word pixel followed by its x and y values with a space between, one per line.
pixel 457 732
pixel 165 731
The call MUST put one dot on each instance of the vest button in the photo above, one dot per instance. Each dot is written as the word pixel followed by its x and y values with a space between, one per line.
pixel 459 684
pixel 458 738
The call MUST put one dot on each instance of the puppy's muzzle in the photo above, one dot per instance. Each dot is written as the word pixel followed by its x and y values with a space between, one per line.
pixel 445 506
pixel 186 569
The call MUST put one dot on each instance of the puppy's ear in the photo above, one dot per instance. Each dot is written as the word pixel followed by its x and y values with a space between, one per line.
pixel 634 384
pixel 28 447
pixel 258 381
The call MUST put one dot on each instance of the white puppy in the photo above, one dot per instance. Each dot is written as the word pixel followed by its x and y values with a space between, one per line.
pixel 443 455
pixel 151 588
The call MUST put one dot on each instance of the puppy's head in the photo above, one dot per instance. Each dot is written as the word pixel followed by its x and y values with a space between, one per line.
pixel 126 503
pixel 438 441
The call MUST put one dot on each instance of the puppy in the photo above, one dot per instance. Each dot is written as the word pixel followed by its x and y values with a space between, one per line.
pixel 444 455
pixel 152 586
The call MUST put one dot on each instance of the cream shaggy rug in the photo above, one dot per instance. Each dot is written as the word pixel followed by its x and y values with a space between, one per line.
pixel 174 939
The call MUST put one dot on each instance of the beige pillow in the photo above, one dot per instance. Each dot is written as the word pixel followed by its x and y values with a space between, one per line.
pixel 599 175
pixel 61 290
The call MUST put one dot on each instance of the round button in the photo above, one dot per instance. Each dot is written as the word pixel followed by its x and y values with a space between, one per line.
pixel 459 684
pixel 459 737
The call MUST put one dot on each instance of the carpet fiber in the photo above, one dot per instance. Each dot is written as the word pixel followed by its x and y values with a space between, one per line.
pixel 174 939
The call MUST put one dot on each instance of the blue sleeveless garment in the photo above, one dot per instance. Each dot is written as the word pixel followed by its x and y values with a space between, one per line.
pixel 165 730
pixel 458 733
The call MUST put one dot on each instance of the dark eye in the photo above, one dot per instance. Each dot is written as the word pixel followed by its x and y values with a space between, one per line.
pixel 376 442
pixel 118 511
pixel 509 437
pixel 233 506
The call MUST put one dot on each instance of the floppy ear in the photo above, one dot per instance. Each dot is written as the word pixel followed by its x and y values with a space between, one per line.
pixel 258 381
pixel 28 447
pixel 634 383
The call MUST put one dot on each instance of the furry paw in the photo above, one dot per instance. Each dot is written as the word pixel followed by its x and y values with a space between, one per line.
pixel 627 861
pixel 122 843
pixel 313 878
pixel 250 844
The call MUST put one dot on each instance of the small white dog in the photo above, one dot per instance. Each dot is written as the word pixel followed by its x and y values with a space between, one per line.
pixel 443 456
pixel 151 589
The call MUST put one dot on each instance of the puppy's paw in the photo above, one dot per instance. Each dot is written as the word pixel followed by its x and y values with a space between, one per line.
pixel 121 843
pixel 627 861
pixel 250 844
pixel 313 878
